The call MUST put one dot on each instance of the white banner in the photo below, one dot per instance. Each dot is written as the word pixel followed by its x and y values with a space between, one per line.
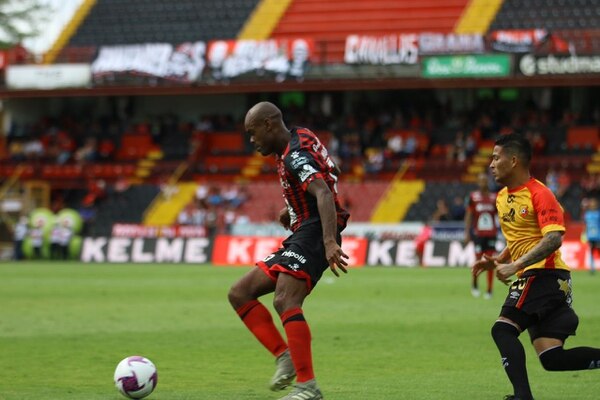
pixel 281 57
pixel 45 77
pixel 183 62
pixel 450 43
pixel 382 50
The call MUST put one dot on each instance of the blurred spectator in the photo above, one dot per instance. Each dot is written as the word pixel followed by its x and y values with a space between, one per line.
pixel 457 210
pixel 441 213
pixel 552 180
pixel 55 241
pixel 36 235
pixel 19 235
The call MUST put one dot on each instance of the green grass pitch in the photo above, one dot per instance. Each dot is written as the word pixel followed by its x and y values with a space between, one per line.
pixel 378 333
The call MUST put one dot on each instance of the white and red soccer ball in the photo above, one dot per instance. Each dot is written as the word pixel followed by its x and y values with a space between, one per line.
pixel 136 377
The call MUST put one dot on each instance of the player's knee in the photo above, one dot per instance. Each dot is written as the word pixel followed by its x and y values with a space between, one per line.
pixel 237 296
pixel 551 359
pixel 503 329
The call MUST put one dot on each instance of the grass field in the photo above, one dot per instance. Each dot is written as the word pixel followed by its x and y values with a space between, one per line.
pixel 378 333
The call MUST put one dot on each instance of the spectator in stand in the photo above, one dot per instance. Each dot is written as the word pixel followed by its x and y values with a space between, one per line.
pixel 395 146
pixel 411 146
pixel 19 235
pixel 457 210
pixel 552 180
pixel 66 234
pixel 441 213
pixel 88 152
pixel 55 240
pixel 36 234
pixel 185 216
pixel 564 182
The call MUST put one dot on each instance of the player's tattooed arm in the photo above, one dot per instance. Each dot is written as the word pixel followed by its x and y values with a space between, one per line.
pixel 548 245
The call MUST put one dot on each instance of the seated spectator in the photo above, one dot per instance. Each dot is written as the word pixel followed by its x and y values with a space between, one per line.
pixel 441 213
pixel 457 210
pixel 552 180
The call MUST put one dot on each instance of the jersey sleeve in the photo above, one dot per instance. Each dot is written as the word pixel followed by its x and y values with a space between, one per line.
pixel 302 165
pixel 549 212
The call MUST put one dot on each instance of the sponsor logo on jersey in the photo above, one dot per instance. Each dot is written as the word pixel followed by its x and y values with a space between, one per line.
pixel 307 170
pixel 523 210
pixel 299 161
pixel 293 254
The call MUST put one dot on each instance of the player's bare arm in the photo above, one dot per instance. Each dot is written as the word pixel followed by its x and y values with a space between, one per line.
pixel 548 245
pixel 326 205
pixel 284 218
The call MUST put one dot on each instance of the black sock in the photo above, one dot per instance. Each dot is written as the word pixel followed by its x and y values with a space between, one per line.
pixel 507 340
pixel 559 359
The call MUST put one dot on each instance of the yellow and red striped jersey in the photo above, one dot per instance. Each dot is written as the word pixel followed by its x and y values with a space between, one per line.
pixel 526 214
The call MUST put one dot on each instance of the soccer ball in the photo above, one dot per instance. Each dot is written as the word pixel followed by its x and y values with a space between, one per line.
pixel 136 377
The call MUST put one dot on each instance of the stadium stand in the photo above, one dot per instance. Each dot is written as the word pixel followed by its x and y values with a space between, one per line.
pixel 120 22
pixel 331 22
pixel 127 206
pixel 548 14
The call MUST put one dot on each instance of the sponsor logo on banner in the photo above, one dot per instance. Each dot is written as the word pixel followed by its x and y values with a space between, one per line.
pixel 435 254
pixel 281 57
pixel 518 41
pixel 530 65
pixel 382 50
pixel 450 43
pixel 144 250
pixel 246 250
pixel 475 66
pixel 183 62
pixel 48 77
pixel 137 231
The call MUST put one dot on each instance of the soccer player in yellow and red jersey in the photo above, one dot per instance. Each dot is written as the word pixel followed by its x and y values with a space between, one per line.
pixel 540 300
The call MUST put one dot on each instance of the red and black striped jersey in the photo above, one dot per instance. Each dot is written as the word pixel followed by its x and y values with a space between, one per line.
pixel 304 160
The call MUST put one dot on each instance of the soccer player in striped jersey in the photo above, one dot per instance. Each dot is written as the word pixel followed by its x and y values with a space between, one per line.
pixel 481 227
pixel 540 299
pixel 314 215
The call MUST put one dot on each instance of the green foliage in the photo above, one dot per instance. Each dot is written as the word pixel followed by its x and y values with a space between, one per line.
pixel 20 19
pixel 378 334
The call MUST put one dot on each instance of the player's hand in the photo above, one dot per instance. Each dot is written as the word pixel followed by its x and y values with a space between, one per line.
pixel 485 263
pixel 284 218
pixel 505 271
pixel 336 258
pixel 467 238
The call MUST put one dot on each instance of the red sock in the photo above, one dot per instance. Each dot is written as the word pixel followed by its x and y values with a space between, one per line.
pixel 298 336
pixel 259 321
pixel 490 279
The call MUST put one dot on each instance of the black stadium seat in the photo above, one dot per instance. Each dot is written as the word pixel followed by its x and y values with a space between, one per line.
pixel 113 22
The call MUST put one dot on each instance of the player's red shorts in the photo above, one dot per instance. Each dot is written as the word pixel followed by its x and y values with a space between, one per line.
pixel 302 256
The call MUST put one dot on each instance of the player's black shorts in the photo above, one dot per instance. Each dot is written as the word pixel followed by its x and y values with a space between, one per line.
pixel 484 244
pixel 540 301
pixel 302 255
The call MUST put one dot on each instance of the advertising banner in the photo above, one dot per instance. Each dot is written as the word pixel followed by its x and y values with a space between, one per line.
pixel 182 63
pixel 530 65
pixel 450 43
pixel 382 50
pixel 48 77
pixel 246 250
pixel 517 41
pixel 471 66
pixel 281 57
pixel 145 250
pixel 138 230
